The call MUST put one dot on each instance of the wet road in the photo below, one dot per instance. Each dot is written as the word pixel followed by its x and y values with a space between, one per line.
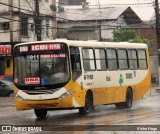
pixel 143 112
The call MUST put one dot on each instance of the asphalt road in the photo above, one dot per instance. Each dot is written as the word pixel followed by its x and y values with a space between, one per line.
pixel 105 119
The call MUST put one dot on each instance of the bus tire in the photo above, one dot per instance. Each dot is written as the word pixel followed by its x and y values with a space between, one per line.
pixel 120 105
pixel 88 108
pixel 40 113
pixel 129 99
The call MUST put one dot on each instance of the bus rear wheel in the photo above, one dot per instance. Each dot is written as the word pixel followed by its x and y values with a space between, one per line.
pixel 88 108
pixel 40 113
pixel 128 103
pixel 120 105
pixel 129 99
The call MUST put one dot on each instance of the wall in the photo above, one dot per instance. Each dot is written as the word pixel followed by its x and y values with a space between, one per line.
pixel 29 11
pixel 3 7
pixel 75 2
pixel 150 34
pixel 83 30
pixel 85 35
pixel 107 28
pixel 72 2
pixel 15 24
pixel 154 69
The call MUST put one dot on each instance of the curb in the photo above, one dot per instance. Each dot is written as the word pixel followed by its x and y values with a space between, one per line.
pixel 154 90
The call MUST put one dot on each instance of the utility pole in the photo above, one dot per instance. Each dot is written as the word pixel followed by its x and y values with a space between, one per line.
pixel 157 24
pixel 19 12
pixel 158 34
pixel 100 30
pixel 37 21
pixel 11 22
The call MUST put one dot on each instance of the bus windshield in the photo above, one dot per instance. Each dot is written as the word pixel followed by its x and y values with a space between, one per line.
pixel 41 69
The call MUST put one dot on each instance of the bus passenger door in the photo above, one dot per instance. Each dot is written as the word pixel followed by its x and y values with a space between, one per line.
pixel 77 85
pixel 75 63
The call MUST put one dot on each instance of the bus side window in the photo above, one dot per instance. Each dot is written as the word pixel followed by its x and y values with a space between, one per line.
pixel 88 59
pixel 100 56
pixel 142 59
pixel 132 57
pixel 112 59
pixel 75 62
pixel 122 59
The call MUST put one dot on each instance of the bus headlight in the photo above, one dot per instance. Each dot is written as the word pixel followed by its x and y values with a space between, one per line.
pixel 65 95
pixel 19 98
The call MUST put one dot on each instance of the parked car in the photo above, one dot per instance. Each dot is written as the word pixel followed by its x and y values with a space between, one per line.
pixel 8 77
pixel 6 88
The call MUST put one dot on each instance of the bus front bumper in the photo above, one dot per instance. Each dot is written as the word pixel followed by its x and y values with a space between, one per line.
pixel 63 101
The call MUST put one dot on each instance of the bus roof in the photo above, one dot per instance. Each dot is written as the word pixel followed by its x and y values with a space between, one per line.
pixel 91 43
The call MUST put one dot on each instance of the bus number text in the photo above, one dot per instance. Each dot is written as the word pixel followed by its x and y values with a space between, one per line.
pixel 108 78
pixel 129 76
pixel 88 77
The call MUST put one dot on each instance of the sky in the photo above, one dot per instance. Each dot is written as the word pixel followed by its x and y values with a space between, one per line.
pixel 144 11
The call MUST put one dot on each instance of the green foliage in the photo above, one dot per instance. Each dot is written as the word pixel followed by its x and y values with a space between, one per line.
pixel 130 35
pixel 124 35
pixel 140 40
pixel 146 41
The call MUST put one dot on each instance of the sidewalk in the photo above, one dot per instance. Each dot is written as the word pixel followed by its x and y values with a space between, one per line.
pixel 155 90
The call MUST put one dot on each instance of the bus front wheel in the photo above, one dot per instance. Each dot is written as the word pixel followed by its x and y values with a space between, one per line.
pixel 40 113
pixel 88 108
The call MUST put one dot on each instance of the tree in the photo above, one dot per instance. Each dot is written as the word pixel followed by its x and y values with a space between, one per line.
pixel 124 35
pixel 130 35
pixel 146 41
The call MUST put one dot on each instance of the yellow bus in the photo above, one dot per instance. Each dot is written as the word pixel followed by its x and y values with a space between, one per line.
pixel 65 74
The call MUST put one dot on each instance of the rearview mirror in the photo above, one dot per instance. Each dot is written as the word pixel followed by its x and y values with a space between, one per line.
pixel 2 84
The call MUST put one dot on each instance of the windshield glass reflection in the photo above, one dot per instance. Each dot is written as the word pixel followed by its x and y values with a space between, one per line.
pixel 44 69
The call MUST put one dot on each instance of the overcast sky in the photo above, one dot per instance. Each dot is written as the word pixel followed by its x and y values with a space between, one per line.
pixel 144 11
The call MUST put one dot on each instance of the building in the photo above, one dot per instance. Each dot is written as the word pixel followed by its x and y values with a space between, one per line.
pixel 87 23
pixel 24 21
pixel 72 2
pixel 92 22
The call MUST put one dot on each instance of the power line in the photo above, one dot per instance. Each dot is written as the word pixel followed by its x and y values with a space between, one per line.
pixel 56 16
pixel 30 5
pixel 15 7
pixel 124 4
pixel 37 21
pixel 30 23
pixel 86 29
pixel 113 26
pixel 34 12
pixel 68 28
pixel 50 16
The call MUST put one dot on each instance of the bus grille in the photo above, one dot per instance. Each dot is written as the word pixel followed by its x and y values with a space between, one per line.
pixel 36 92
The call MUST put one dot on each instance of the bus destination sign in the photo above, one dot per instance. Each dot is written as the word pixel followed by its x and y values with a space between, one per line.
pixel 53 56
pixel 40 47
pixel 44 47
pixel 5 49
